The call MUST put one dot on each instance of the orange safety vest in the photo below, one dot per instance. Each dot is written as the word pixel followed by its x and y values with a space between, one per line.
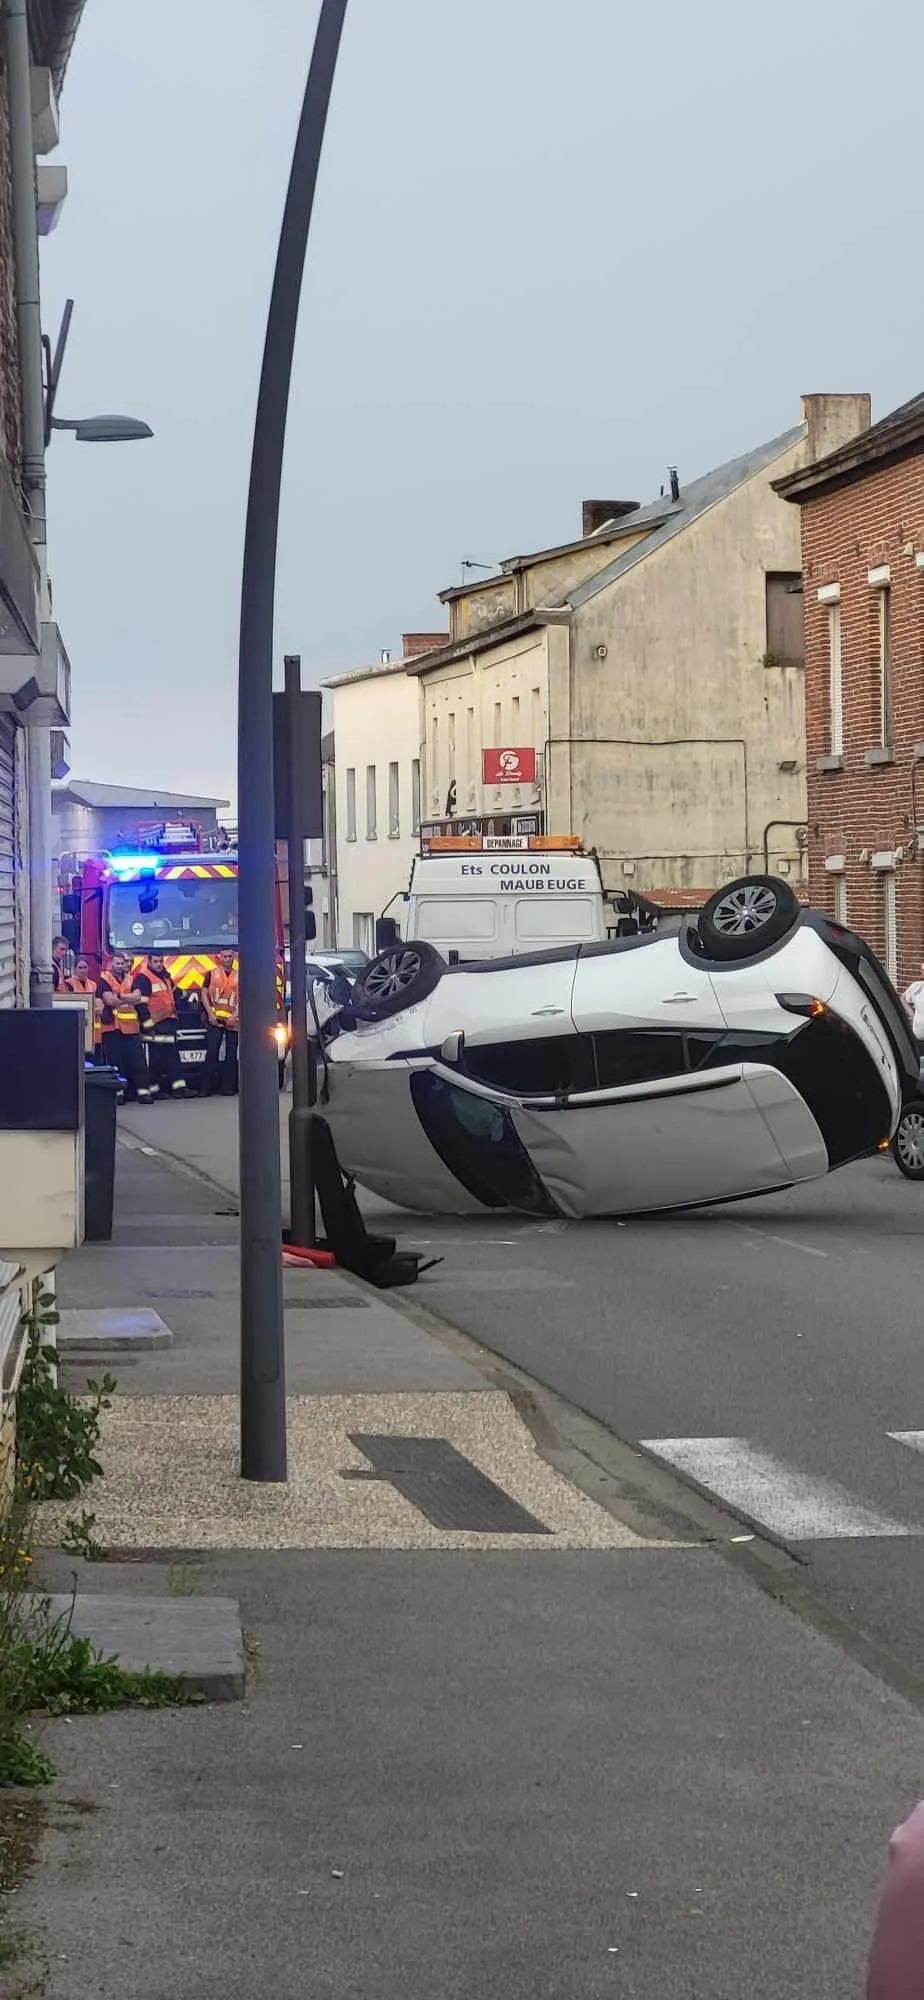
pixel 126 1017
pixel 162 1002
pixel 87 986
pixel 222 992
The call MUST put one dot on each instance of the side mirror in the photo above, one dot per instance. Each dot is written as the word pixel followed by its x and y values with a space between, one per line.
pixel 311 926
pixel 451 1048
pixel 386 933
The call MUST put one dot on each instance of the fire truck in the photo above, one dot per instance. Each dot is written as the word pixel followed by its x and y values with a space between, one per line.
pixel 166 890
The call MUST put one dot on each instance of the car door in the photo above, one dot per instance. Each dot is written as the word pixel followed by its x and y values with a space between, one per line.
pixel 516 1000
pixel 666 1123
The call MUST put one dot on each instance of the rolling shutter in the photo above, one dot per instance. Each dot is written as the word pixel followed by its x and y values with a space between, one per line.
pixel 7 862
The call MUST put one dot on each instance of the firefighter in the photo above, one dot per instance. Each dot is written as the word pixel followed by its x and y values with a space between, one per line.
pixel 60 953
pixel 123 1007
pixel 219 1005
pixel 159 1031
pixel 80 982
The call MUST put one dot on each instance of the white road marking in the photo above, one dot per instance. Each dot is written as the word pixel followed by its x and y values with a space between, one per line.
pixel 796 1505
pixel 913 1439
pixel 764 1236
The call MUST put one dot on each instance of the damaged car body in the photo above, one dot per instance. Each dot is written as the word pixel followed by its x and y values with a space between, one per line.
pixel 759 1047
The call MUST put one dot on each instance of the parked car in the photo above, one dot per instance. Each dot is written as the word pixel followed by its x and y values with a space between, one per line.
pixel 326 964
pixel 760 1046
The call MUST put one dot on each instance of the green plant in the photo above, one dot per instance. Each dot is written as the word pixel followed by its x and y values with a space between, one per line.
pixel 48 1669
pixel 56 1434
pixel 78 1539
pixel 774 658
pixel 45 1667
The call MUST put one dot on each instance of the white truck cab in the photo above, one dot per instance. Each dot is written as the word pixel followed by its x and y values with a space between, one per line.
pixel 478 896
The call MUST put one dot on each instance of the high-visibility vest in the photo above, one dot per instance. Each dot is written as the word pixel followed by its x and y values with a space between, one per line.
pixel 87 986
pixel 222 991
pixel 112 991
pixel 162 1000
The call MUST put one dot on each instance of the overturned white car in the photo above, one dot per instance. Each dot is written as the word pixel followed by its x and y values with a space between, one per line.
pixel 761 1046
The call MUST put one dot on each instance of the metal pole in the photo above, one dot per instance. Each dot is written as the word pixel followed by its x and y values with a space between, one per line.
pixel 32 406
pixel 301 1176
pixel 263 1405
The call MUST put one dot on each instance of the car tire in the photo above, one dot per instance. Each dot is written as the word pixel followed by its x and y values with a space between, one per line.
pixel 747 917
pixel 908 1143
pixel 397 978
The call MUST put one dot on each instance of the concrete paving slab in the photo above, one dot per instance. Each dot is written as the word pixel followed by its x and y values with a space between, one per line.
pixel 171 1467
pixel 473 1779
pixel 112 1329
pixel 198 1637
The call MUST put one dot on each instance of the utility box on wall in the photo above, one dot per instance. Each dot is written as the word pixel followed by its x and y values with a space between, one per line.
pixel 41 1136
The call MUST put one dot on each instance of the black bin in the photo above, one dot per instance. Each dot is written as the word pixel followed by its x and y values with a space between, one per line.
pixel 102 1087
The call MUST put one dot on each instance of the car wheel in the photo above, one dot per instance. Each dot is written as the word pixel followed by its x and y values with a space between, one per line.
pixel 908 1143
pixel 747 917
pixel 396 979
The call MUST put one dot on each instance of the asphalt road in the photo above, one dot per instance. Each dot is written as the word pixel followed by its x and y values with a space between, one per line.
pixel 769 1350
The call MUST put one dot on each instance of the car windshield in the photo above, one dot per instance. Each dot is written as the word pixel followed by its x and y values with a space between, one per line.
pixel 155 912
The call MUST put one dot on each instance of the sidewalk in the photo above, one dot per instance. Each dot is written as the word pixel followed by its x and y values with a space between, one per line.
pixel 563 1757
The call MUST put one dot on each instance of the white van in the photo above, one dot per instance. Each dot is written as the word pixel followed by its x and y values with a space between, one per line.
pixel 478 897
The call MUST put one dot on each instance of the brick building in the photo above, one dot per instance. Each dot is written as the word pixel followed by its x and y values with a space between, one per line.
pixel 863 568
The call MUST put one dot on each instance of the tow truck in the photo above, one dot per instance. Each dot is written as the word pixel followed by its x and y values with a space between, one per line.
pixel 168 890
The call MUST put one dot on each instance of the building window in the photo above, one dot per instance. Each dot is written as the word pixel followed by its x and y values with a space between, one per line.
pixel 835 683
pixel 351 804
pixel 434 773
pixel 371 829
pixel 470 749
pixel 538 735
pixel 415 795
pixel 498 726
pixel 785 642
pixel 451 744
pixel 394 803
pixel 885 667
pixel 840 898
pixel 889 925
pixel 515 718
pixel 364 931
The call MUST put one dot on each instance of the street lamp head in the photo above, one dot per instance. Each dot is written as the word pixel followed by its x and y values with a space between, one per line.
pixel 103 430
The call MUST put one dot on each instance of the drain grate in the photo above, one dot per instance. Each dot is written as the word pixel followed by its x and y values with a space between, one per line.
pixel 443 1485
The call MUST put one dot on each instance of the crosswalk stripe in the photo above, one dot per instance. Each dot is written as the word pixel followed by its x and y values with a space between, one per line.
pixel 913 1439
pixel 796 1505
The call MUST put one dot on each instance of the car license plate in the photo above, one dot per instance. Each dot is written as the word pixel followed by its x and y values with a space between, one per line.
pixel 192 1055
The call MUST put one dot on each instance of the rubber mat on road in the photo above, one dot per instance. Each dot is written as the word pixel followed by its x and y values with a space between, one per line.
pixel 443 1485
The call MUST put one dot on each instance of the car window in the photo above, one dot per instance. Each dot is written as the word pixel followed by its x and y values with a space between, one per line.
pixel 546 1066
pixel 479 1144
pixel 637 1055
pixel 473 917
pixel 537 917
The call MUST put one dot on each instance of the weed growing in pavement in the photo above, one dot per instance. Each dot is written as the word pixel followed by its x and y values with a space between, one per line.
pixel 56 1434
pixel 45 1667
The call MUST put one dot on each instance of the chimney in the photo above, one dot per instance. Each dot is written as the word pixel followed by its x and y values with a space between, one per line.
pixel 833 421
pixel 675 482
pixel 414 643
pixel 596 514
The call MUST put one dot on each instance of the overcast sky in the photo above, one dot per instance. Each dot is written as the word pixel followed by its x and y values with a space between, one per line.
pixel 556 247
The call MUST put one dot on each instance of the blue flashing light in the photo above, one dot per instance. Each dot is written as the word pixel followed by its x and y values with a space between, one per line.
pixel 135 861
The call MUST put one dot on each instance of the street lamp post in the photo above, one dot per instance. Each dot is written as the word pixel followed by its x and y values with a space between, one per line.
pixel 263 1414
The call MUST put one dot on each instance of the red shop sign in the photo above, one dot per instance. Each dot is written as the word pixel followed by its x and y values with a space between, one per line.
pixel 508 767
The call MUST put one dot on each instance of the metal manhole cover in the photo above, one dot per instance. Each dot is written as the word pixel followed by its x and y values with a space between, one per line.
pixel 443 1485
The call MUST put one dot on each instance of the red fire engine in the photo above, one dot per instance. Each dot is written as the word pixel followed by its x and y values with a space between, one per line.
pixel 164 891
